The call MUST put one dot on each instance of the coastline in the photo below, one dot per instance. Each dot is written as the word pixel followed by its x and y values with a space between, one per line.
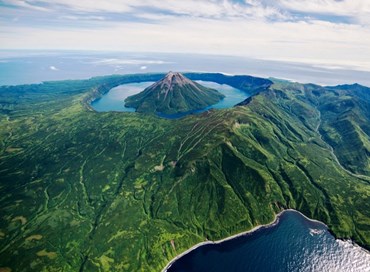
pixel 273 223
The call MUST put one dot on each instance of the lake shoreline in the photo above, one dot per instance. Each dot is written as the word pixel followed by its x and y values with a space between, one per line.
pixel 273 223
pixel 112 100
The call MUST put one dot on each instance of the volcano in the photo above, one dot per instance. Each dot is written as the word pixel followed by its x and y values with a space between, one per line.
pixel 173 94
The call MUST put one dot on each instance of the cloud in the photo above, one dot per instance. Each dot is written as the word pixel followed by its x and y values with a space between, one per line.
pixel 127 61
pixel 82 18
pixel 289 30
pixel 338 7
pixel 358 10
pixel 143 67
pixel 192 8
pixel 159 11
pixel 25 4
pixel 53 68
pixel 81 5
pixel 318 41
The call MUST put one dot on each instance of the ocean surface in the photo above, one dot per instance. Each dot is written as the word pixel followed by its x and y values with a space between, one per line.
pixel 295 244
pixel 114 99
pixel 26 67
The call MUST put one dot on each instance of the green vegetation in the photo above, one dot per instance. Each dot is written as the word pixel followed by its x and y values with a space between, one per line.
pixel 88 191
pixel 173 94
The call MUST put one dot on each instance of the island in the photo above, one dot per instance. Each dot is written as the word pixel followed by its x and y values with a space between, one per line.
pixel 173 94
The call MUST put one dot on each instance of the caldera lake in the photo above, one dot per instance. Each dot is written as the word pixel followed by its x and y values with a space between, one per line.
pixel 113 100
pixel 293 243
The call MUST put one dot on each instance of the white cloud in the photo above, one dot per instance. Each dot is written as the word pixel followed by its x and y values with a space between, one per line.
pixel 222 9
pixel 25 4
pixel 82 18
pixel 85 5
pixel 358 10
pixel 203 26
pixel 143 67
pixel 53 68
pixel 337 7
pixel 192 8
pixel 317 41
pixel 127 61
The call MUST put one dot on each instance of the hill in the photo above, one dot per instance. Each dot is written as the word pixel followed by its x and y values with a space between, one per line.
pixel 173 94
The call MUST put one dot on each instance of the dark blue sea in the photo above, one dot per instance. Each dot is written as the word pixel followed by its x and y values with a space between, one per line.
pixel 294 244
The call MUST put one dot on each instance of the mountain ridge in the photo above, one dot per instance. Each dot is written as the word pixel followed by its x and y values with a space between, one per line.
pixel 151 188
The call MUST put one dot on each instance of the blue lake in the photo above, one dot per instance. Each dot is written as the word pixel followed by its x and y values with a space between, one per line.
pixel 294 244
pixel 114 99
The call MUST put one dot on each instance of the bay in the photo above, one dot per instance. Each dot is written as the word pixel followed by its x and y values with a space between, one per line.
pixel 293 244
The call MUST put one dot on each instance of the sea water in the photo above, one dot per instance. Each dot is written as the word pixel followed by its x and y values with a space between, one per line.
pixel 293 244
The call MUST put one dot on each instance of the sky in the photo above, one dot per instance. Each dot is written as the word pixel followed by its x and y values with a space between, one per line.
pixel 334 34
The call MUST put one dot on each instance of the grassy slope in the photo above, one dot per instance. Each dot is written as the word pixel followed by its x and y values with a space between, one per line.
pixel 346 126
pixel 109 191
